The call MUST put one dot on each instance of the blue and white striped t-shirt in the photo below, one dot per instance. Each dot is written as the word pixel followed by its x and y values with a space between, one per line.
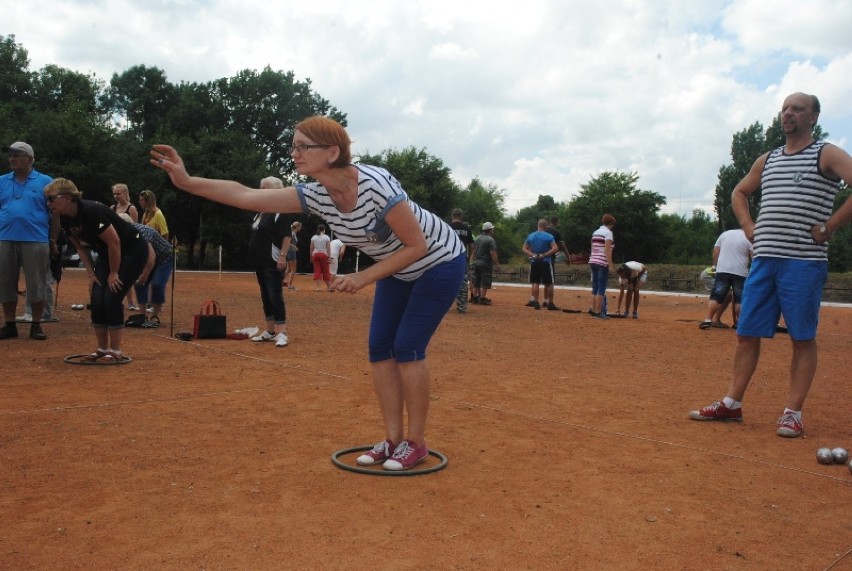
pixel 365 227
pixel 795 196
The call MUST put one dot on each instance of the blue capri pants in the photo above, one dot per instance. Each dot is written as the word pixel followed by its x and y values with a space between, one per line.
pixel 600 276
pixel 407 314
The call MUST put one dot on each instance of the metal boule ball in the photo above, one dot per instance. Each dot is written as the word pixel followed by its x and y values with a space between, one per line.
pixel 824 456
pixel 840 455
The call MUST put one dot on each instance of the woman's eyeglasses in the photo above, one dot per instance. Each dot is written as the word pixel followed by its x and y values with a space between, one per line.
pixel 304 147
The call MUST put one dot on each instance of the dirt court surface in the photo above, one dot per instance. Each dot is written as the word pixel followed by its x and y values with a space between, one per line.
pixel 568 443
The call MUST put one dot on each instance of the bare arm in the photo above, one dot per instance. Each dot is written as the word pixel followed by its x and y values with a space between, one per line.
pixel 716 251
pixel 149 265
pixel 224 191
pixel 113 244
pixel 744 189
pixel 402 222
pixel 281 263
pixel 836 162
pixel 85 258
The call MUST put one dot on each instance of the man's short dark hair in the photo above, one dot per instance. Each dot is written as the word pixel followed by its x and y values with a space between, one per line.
pixel 554 220
pixel 457 213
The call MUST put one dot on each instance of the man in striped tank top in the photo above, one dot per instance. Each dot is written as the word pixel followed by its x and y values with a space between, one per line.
pixel 798 182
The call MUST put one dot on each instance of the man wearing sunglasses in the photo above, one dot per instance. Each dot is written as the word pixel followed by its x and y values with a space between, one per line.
pixel 24 238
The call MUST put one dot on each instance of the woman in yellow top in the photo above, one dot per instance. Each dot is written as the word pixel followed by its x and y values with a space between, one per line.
pixel 153 216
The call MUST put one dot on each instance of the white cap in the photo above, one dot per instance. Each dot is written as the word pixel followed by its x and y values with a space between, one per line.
pixel 488 226
pixel 19 147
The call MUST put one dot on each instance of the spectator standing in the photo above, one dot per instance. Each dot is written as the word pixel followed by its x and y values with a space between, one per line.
pixel 268 246
pixel 731 258
pixel 418 270
pixel 122 254
pixel 27 239
pixel 539 247
pixel 631 277
pixel 462 229
pixel 600 264
pixel 123 205
pixel 292 255
pixel 320 253
pixel 484 262
pixel 337 249
pixel 798 184
pixel 151 215
pixel 553 230
pixel 121 195
pixel 155 275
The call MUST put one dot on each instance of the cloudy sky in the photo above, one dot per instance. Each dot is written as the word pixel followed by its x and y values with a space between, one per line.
pixel 535 97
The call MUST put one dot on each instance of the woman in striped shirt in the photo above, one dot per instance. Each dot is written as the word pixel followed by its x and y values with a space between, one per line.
pixel 418 271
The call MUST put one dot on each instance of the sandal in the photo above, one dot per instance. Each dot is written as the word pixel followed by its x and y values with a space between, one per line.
pixel 96 356
pixel 152 323
pixel 113 358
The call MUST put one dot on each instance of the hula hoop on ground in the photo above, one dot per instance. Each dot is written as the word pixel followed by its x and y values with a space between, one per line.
pixel 79 360
pixel 373 471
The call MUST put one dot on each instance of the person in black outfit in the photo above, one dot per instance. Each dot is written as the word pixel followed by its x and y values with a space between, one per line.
pixel 122 253
pixel 268 247
pixel 466 236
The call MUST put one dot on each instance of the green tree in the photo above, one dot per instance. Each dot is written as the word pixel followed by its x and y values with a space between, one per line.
pixel 690 240
pixel 840 245
pixel 266 106
pixel 424 177
pixel 15 77
pixel 482 202
pixel 142 97
pixel 638 231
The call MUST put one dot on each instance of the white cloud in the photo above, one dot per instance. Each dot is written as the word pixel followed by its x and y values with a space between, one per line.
pixel 535 98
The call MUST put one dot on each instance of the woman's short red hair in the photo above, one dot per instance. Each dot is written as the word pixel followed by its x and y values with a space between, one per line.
pixel 326 131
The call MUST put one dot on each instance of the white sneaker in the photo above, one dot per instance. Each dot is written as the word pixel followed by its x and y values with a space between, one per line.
pixel 281 340
pixel 265 336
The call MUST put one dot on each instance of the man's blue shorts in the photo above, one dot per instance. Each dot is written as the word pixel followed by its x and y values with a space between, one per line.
pixel 782 286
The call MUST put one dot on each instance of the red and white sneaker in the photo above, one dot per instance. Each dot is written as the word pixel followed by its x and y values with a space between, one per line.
pixel 380 452
pixel 406 455
pixel 789 426
pixel 718 411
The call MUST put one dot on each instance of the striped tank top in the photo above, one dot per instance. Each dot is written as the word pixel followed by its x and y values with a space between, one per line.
pixel 795 195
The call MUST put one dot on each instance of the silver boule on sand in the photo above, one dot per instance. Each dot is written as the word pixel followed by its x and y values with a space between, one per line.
pixel 824 456
pixel 840 455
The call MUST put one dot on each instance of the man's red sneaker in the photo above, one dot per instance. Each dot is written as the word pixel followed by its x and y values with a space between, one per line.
pixel 789 426
pixel 718 411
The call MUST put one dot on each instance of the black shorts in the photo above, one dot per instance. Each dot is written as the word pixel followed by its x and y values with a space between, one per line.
pixel 541 272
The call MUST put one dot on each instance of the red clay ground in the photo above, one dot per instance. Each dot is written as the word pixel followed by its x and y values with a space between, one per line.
pixel 568 442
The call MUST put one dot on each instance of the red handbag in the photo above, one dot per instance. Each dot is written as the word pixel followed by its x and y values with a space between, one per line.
pixel 210 323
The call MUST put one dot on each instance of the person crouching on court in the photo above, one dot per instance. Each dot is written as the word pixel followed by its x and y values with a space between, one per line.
pixel 122 253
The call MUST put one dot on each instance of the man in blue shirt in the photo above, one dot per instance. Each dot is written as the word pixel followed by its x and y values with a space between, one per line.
pixel 539 247
pixel 24 238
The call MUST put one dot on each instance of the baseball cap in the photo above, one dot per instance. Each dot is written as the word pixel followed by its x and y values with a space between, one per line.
pixel 488 226
pixel 19 147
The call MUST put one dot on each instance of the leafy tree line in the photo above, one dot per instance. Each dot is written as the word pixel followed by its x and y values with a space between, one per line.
pixel 98 133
